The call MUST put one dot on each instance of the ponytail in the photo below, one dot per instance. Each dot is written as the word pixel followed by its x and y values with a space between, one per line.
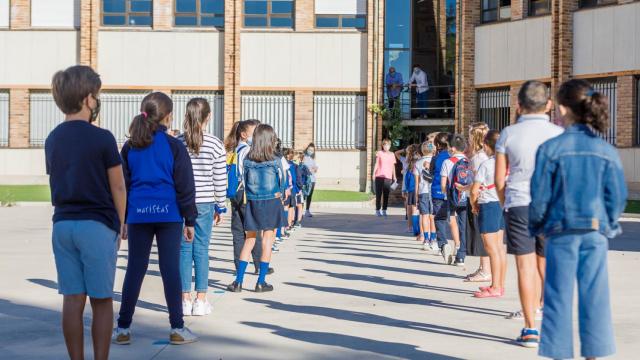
pixel 587 106
pixel 230 142
pixel 197 113
pixel 154 108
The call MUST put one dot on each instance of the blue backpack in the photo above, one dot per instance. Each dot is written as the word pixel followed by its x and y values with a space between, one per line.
pixel 233 176
pixel 462 175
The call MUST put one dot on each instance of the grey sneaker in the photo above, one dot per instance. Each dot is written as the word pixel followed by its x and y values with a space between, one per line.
pixel 447 254
pixel 121 336
pixel 182 336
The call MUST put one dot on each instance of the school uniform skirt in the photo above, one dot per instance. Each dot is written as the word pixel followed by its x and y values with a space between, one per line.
pixel 264 215
pixel 475 246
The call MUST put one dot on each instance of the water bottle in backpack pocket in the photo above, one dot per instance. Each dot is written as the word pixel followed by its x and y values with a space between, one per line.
pixel 463 176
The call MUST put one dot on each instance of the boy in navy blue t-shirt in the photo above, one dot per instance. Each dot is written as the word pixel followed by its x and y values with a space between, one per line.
pixel 89 196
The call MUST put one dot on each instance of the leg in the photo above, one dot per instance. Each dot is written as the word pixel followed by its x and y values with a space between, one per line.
pixel 267 243
pixel 379 182
pixel 186 269
pixel 557 333
pixel 502 251
pixel 313 186
pixel 140 240
pixel 594 307
pixel 461 220
pixel 453 226
pixel 385 193
pixel 540 265
pixel 441 210
pixel 248 245
pixel 72 326
pixel 204 227
pixel 101 326
pixel 491 245
pixel 256 251
pixel 527 277
pixel 168 238
pixel 237 226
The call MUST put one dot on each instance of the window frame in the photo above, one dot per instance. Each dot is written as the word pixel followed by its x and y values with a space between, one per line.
pixel 340 18
pixel 582 5
pixel 497 9
pixel 198 15
pixel 127 14
pixel 530 8
pixel 269 15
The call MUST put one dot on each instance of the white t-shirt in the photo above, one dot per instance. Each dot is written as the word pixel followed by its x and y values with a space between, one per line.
pixel 447 167
pixel 311 164
pixel 486 177
pixel 423 187
pixel 478 159
pixel 405 164
pixel 520 142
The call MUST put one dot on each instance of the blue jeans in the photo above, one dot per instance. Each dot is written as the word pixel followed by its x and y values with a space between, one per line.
pixel 461 220
pixel 421 103
pixel 196 253
pixel 582 255
pixel 441 217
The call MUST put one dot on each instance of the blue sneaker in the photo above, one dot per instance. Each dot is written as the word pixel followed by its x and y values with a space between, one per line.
pixel 529 338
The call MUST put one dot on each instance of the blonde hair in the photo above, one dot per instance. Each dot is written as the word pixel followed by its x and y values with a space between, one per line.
pixel 477 133
pixel 196 115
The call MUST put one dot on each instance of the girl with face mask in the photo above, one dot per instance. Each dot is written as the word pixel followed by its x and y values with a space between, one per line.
pixel 310 162
pixel 384 174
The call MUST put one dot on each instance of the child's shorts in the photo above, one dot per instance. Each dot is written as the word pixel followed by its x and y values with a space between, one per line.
pixel 490 218
pixel 411 198
pixel 291 201
pixel 299 200
pixel 424 204
pixel 85 252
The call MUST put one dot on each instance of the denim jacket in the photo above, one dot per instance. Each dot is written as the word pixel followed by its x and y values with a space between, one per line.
pixel 263 180
pixel 578 184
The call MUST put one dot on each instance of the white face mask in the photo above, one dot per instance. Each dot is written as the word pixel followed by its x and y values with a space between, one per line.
pixel 386 147
pixel 250 140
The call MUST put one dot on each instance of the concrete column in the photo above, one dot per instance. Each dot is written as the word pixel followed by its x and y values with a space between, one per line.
pixel 18 118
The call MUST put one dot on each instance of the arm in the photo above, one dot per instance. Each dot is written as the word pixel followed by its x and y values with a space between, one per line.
pixel 443 183
pixel 398 153
pixel 119 193
pixel 502 164
pixel 185 186
pixel 375 167
pixel 615 193
pixel 220 182
pixel 417 177
pixel 541 191
pixel 474 196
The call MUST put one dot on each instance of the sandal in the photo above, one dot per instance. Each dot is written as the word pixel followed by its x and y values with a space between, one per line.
pixel 489 293
pixel 472 274
pixel 479 277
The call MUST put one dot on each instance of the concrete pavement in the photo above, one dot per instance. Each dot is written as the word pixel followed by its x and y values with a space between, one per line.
pixel 348 286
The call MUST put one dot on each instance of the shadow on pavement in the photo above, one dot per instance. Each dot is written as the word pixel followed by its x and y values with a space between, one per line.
pixel 628 241
pixel 384 268
pixel 352 342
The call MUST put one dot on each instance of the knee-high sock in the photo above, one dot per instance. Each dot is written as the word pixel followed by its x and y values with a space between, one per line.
pixel 415 220
pixel 242 268
pixel 264 269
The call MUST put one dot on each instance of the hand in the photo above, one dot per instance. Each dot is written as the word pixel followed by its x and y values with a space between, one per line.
pixel 217 218
pixel 122 236
pixel 189 233
pixel 475 209
pixel 404 195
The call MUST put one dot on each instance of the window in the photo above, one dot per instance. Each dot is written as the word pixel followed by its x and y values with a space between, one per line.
pixel 4 13
pixel 539 7
pixel 127 12
pixel 273 108
pixel 268 13
pixel 496 10
pixel 4 118
pixel 44 116
pixel 339 120
pixel 494 107
pixel 205 13
pixel 216 102
pixel 341 21
pixel 55 13
pixel 118 110
pixel 592 3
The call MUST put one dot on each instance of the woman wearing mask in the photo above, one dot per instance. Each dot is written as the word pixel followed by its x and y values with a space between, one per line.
pixel 310 163
pixel 384 174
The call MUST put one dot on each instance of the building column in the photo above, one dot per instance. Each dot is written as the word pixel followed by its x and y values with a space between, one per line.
pixel 18 118
pixel 89 23
pixel 20 14
pixel 232 26
pixel 304 15
pixel 625 111
pixel 518 9
pixel 162 14
pixel 375 83
pixel 513 102
pixel 562 41
pixel 303 119
pixel 466 96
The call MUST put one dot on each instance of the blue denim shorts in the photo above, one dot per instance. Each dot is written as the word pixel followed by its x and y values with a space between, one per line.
pixel 424 204
pixel 490 218
pixel 85 252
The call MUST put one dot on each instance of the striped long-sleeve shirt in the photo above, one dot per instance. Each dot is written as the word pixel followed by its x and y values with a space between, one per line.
pixel 210 171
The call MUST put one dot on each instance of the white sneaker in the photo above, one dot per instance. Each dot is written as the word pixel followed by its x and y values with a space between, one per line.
pixel 182 336
pixel 121 336
pixel 384 213
pixel 187 307
pixel 425 246
pixel 275 247
pixel 447 255
pixel 434 247
pixel 201 308
pixel 308 213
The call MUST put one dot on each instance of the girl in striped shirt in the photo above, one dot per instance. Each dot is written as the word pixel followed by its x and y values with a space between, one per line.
pixel 208 158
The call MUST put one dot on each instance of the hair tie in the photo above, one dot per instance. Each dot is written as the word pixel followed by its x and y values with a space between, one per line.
pixel 590 92
pixel 144 113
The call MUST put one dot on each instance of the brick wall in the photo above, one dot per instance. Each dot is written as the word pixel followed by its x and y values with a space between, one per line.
pixel 18 118
pixel 89 23
pixel 305 14
pixel 625 111
pixel 162 14
pixel 519 9
pixel 562 44
pixel 375 52
pixel 232 26
pixel 303 119
pixel 466 109
pixel 513 100
pixel 20 17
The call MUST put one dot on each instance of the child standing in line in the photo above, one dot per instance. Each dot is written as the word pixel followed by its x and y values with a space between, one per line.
pixel 439 195
pixel 291 201
pixel 265 182
pixel 409 192
pixel 423 179
pixel 162 198
pixel 577 227
pixel 301 177
pixel 485 203
pixel 208 159
pixel 89 198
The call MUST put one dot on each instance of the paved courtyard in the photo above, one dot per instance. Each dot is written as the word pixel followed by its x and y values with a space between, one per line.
pixel 348 286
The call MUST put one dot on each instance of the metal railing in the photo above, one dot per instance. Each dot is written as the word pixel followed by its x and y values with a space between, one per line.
pixel 216 102
pixel 339 120
pixel 440 102
pixel 494 107
pixel 608 87
pixel 4 118
pixel 44 116
pixel 118 110
pixel 273 108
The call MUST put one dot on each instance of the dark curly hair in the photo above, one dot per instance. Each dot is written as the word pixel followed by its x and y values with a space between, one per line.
pixel 587 105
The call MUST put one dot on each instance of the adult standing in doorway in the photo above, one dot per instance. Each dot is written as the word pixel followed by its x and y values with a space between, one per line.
pixel 419 77
pixel 394 83
pixel 310 162
pixel 516 152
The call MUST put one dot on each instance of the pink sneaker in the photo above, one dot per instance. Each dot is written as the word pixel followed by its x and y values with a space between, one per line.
pixel 489 293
